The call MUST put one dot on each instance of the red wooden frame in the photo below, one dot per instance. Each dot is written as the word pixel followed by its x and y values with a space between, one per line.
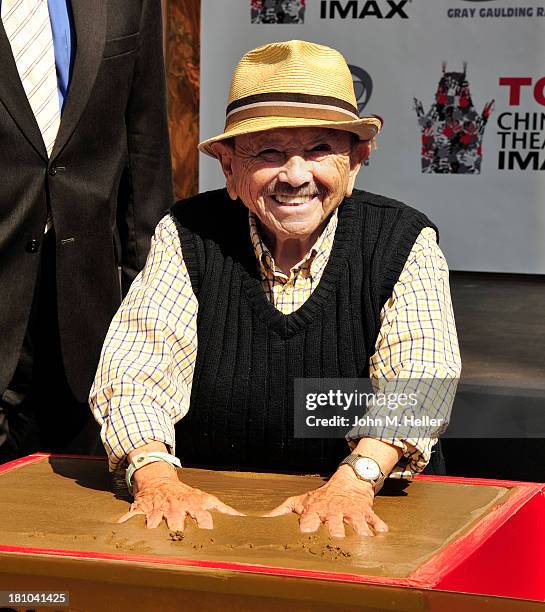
pixel 477 548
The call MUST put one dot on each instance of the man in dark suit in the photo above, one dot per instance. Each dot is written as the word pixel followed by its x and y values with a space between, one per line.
pixel 80 195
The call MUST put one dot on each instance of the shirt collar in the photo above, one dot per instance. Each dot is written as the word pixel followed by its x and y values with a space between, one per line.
pixel 315 259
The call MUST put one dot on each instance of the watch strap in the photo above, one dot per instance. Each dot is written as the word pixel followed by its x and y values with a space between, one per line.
pixel 146 458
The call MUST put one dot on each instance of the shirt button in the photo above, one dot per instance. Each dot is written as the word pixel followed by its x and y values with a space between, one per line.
pixel 32 246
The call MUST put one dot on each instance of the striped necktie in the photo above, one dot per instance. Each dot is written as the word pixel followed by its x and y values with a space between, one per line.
pixel 28 29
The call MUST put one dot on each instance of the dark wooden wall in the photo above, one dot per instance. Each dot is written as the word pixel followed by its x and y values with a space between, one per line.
pixel 182 59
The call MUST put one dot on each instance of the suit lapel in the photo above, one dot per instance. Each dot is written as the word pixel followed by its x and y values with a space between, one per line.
pixel 90 27
pixel 14 97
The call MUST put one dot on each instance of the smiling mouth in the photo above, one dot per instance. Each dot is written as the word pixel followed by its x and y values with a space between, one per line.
pixel 286 200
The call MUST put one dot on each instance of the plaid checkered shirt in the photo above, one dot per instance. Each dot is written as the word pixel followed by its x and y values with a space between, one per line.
pixel 143 382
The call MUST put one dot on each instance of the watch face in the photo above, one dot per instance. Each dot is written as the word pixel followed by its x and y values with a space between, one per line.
pixel 367 468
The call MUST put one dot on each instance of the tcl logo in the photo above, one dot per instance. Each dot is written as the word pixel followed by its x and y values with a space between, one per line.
pixel 524 86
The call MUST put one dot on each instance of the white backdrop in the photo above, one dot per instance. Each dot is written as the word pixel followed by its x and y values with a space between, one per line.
pixel 488 221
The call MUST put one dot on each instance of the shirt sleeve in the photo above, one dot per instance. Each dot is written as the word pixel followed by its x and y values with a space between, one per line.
pixel 417 342
pixel 143 382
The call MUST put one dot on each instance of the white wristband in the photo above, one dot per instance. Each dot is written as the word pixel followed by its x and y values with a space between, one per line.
pixel 146 458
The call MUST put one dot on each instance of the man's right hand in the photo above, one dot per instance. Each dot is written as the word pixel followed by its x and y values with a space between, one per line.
pixel 160 494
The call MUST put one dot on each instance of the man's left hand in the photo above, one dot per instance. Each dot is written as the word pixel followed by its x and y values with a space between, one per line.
pixel 343 499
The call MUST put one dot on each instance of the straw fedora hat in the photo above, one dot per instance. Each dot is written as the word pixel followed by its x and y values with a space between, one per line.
pixel 292 84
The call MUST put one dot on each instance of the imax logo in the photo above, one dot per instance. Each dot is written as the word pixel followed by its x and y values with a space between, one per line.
pixel 353 9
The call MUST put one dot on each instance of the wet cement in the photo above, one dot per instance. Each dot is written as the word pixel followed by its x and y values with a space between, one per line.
pixel 69 504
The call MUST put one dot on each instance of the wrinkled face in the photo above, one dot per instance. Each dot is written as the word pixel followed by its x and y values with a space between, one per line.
pixel 292 178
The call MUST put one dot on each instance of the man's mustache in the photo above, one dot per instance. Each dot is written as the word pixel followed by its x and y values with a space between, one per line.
pixel 308 189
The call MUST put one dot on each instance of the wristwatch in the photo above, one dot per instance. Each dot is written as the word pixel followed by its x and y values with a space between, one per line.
pixel 366 469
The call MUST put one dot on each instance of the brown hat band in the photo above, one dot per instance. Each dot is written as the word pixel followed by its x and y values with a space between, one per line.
pixel 324 108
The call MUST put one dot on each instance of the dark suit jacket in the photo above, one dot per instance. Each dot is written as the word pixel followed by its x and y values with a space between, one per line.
pixel 108 181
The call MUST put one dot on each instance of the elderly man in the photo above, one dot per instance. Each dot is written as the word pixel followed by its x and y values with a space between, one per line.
pixel 287 273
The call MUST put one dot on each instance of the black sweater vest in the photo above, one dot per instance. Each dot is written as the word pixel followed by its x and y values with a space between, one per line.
pixel 241 412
